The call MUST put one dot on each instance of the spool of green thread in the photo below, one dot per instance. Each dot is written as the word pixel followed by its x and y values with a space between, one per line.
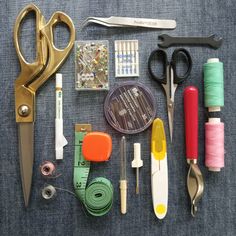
pixel 213 84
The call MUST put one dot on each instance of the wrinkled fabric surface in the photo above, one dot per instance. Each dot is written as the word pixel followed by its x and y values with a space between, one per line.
pixel 65 215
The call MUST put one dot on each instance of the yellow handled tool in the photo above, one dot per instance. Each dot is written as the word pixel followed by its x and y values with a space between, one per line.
pixel 159 170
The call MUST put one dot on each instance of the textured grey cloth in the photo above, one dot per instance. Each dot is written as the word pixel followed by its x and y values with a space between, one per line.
pixel 64 215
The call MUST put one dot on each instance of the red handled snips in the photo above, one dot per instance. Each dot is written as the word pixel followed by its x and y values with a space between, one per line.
pixel 195 181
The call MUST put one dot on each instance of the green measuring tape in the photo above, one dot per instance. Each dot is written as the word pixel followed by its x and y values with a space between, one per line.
pixel 97 196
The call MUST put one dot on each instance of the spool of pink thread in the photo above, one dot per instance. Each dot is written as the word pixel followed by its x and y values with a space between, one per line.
pixel 214 144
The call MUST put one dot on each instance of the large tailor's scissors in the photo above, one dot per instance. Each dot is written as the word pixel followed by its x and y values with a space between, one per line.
pixel 32 76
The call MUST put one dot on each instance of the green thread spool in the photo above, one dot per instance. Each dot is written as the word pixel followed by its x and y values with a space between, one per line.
pixel 213 84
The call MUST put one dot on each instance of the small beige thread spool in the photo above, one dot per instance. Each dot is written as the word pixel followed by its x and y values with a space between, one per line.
pixel 49 192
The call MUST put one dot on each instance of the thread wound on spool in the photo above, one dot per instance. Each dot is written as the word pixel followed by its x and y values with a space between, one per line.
pixel 214 146
pixel 48 192
pixel 47 168
pixel 213 85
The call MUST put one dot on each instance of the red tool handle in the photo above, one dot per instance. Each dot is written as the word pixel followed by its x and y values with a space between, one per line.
pixel 191 122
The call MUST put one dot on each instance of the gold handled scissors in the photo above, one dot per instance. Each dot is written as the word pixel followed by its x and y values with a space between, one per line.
pixel 32 76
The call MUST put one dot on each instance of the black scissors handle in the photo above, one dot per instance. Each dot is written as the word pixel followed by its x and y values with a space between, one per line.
pixel 174 61
pixel 158 55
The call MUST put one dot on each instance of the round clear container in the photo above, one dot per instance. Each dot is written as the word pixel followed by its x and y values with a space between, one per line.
pixel 130 107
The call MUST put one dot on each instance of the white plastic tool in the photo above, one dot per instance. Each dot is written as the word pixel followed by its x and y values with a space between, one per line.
pixel 60 140
pixel 159 170
pixel 137 163
pixel 123 177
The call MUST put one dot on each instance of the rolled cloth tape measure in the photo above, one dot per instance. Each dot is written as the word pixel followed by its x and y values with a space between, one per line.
pixel 213 84
pixel 97 196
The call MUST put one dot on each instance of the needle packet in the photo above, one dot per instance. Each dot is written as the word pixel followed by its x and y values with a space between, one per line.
pixel 126 58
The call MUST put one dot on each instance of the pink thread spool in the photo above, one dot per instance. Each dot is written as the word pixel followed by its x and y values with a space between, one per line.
pixel 214 144
pixel 47 169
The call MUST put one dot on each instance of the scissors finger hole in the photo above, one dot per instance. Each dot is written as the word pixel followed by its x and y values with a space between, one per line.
pixel 158 66
pixel 182 64
pixel 27 37
pixel 61 35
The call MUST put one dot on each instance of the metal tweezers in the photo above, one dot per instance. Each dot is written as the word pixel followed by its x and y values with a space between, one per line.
pixel 115 21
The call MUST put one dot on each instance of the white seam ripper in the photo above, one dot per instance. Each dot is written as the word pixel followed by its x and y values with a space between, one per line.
pixel 137 163
pixel 60 140
pixel 159 174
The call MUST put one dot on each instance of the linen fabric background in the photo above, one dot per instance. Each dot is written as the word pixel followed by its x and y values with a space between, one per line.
pixel 65 215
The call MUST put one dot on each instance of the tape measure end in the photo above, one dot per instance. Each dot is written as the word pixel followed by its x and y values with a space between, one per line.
pixel 83 127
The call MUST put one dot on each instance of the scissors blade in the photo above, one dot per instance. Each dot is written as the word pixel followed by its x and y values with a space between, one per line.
pixel 26 152
pixel 170 108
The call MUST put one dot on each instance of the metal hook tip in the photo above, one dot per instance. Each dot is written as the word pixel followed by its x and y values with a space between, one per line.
pixel 193 210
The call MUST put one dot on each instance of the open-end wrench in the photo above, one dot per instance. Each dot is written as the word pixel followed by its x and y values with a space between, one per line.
pixel 168 41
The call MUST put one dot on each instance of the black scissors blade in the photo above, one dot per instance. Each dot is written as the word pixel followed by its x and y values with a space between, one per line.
pixel 26 153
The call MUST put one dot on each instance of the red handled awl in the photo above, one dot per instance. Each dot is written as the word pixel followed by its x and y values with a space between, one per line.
pixel 195 181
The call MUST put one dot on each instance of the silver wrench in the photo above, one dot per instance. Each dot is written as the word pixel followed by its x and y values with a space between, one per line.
pixel 168 41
